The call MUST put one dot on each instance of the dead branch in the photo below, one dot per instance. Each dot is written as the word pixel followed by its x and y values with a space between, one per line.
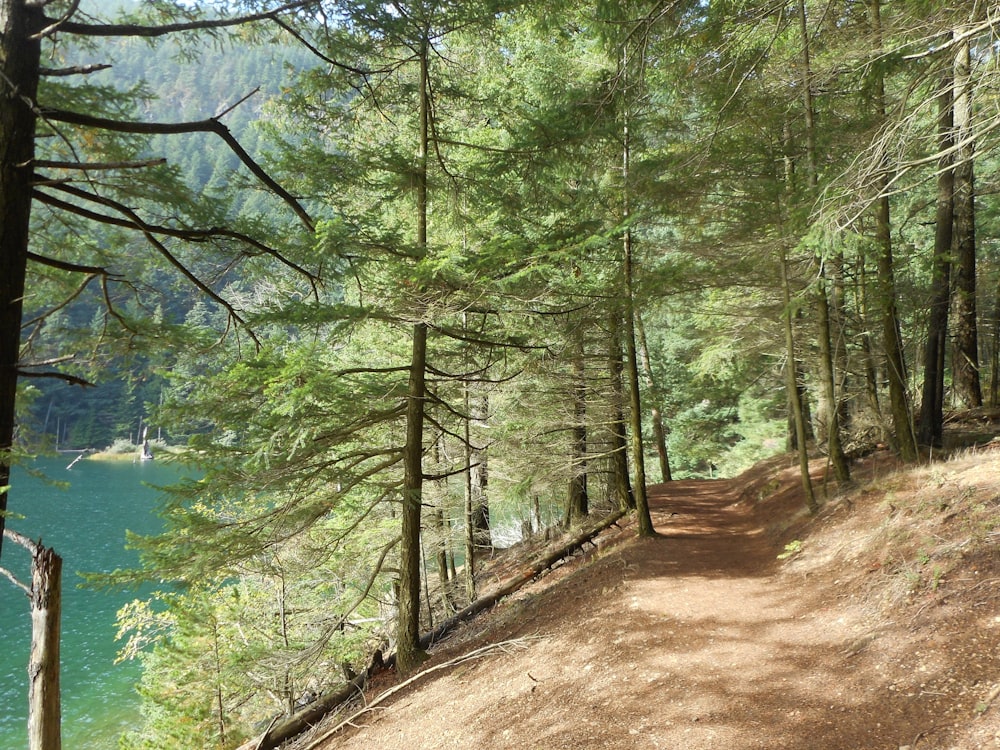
pixel 96 166
pixel 76 70
pixel 134 29
pixel 210 125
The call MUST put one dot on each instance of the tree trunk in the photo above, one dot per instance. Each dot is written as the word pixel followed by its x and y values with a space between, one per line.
pixel 965 356
pixel 867 348
pixel 891 338
pixel 832 405
pixel 408 652
pixel 621 486
pixel 792 387
pixel 45 597
pixel 44 711
pixel 645 522
pixel 829 407
pixel 577 502
pixel 19 63
pixel 655 415
pixel 480 479
pixel 932 395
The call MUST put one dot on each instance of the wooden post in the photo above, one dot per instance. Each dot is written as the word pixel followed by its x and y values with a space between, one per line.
pixel 44 709
pixel 45 594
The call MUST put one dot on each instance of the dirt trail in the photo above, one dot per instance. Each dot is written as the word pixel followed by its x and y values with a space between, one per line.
pixel 699 638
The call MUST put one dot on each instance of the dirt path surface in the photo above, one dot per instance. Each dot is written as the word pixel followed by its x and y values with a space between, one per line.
pixel 701 638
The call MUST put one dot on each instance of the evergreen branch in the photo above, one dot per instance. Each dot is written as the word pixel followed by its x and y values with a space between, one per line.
pixel 133 29
pixel 370 370
pixel 210 125
pixel 110 307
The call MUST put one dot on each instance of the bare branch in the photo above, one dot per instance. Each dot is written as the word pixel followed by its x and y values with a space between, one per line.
pixel 76 70
pixel 230 108
pixel 203 126
pixel 52 27
pixel 190 235
pixel 72 267
pixel 10 577
pixel 95 166
pixel 131 29
pixel 72 379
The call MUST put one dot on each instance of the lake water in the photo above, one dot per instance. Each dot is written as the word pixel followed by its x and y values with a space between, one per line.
pixel 85 524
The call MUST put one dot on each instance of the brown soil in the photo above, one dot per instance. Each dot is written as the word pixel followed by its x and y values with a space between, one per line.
pixel 882 631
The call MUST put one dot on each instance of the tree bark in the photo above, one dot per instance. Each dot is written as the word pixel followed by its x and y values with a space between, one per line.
pixel 645 522
pixel 829 407
pixel 832 409
pixel 892 343
pixel 655 415
pixel 965 355
pixel 577 502
pixel 480 509
pixel 19 66
pixel 932 395
pixel 620 483
pixel 45 596
pixel 792 387
pixel 44 709
pixel 409 655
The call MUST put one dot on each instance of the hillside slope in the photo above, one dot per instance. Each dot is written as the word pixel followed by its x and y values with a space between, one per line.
pixel 881 631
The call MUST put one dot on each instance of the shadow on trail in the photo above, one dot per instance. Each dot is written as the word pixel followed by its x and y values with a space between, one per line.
pixel 708 647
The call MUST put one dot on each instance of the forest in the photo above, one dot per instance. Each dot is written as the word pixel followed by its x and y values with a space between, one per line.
pixel 409 281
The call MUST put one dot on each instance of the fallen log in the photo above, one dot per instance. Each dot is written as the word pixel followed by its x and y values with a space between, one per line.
pixel 283 730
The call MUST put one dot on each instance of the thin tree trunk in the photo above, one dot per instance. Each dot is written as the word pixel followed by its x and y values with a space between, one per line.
pixel 408 652
pixel 44 710
pixel 19 64
pixel 441 558
pixel 871 371
pixel 470 533
pixel 830 409
pixel 480 478
pixel 45 597
pixel 795 390
pixel 965 356
pixel 902 420
pixel 645 521
pixel 792 387
pixel 995 350
pixel 841 469
pixel 932 396
pixel 655 415
pixel 577 502
pixel 620 483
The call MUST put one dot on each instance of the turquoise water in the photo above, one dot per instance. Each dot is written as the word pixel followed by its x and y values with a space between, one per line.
pixel 85 524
